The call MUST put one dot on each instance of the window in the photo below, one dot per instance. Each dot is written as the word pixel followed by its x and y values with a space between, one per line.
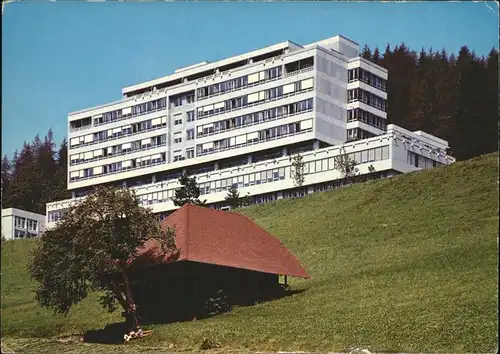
pixel 190 116
pixel 385 152
pixel 159 122
pixel 19 234
pixel 367 98
pixel 98 120
pixel 158 158
pixel 177 101
pixel 189 153
pixel 190 134
pixel 178 120
pixel 159 140
pixel 88 172
pixel 208 129
pixel 364 156
pixel 55 215
pixel 368 78
pixel 114 167
pixel 20 222
pixel 371 155
pixel 32 225
pixel 177 138
pixel 177 155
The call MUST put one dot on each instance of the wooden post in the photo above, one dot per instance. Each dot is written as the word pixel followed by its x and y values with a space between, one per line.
pixel 286 280
pixel 193 307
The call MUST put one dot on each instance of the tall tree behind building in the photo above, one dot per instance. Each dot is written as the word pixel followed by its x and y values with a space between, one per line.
pixel 35 176
pixel 453 98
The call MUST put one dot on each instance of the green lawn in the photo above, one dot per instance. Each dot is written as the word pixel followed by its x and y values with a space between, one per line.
pixel 407 264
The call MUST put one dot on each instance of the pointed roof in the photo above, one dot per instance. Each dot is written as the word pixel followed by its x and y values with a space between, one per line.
pixel 227 239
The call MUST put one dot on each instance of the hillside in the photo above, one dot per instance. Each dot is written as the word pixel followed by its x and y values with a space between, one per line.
pixel 407 264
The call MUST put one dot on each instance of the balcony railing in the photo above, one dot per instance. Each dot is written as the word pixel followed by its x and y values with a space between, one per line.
pixel 127 116
pixel 367 102
pixel 122 153
pixel 253 104
pixel 300 71
pixel 126 169
pixel 166 186
pixel 213 151
pixel 363 120
pixel 366 81
pixel 269 60
pixel 253 84
pixel 118 137
pixel 221 73
pixel 79 129
pixel 282 116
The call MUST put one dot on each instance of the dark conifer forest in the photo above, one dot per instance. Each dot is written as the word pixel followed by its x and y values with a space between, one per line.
pixel 454 97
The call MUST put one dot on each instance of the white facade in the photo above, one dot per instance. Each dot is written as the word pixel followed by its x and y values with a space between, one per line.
pixel 17 224
pixel 244 115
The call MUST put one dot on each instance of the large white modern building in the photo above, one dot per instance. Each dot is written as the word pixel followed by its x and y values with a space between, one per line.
pixel 17 224
pixel 237 121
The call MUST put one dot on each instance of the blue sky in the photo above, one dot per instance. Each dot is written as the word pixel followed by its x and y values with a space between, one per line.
pixel 61 57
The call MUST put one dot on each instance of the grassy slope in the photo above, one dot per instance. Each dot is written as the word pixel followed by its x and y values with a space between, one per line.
pixel 399 265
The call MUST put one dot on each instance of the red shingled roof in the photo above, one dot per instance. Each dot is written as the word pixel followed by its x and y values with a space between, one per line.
pixel 227 239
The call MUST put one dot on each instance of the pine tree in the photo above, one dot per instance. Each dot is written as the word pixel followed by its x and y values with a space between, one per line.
pixel 189 193
pixel 21 193
pixel 401 64
pixel 234 200
pixel 61 186
pixel 418 94
pixel 47 172
pixel 423 96
pixel 376 56
pixel 443 117
pixel 298 170
pixel 467 136
pixel 233 197
pixel 36 178
pixel 346 166
pixel 6 174
pixel 492 103
pixel 366 53
pixel 62 155
pixel 37 143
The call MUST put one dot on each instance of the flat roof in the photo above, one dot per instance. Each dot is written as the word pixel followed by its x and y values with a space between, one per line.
pixel 205 65
pixel 191 70
pixel 16 211
pixel 200 67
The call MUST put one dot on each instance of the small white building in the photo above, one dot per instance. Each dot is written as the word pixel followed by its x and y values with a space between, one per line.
pixel 17 224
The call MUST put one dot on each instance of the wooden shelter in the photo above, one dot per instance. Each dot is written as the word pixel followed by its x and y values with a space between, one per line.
pixel 223 259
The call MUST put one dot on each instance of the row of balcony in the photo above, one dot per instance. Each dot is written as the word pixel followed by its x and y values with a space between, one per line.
pixel 282 116
pixel 129 116
pixel 95 142
pixel 253 142
pixel 253 104
pixel 121 153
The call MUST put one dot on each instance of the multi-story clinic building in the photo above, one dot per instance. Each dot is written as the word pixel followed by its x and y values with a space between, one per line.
pixel 237 121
